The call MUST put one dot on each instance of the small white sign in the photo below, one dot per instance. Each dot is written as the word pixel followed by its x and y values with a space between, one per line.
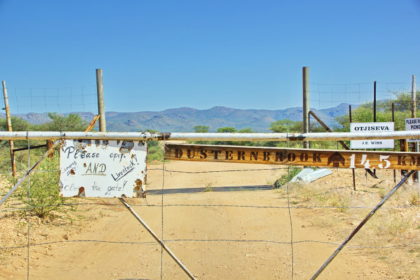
pixel 372 143
pixel 95 168
pixel 412 124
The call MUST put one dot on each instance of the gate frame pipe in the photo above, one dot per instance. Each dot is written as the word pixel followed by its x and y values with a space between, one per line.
pixel 191 136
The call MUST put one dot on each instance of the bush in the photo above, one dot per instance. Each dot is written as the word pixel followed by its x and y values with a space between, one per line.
pixel 155 153
pixel 284 179
pixel 18 124
pixel 41 192
pixel 201 128
pixel 71 122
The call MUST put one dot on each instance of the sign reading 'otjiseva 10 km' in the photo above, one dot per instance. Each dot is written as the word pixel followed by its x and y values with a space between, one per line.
pixel 303 157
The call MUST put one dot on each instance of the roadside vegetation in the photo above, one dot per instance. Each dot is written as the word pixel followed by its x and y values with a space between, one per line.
pixel 284 179
pixel 391 235
pixel 38 200
pixel 40 194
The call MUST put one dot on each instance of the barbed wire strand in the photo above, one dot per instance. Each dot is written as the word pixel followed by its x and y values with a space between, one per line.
pixel 15 209
pixel 306 241
pixel 187 172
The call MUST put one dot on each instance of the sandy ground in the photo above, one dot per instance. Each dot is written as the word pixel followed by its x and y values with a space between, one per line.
pixel 222 238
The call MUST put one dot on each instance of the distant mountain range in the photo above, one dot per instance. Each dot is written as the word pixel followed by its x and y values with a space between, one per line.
pixel 184 119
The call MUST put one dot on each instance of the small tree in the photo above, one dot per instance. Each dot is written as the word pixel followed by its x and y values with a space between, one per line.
pixel 41 194
pixel 286 126
pixel 154 149
pixel 18 124
pixel 72 122
pixel 226 129
pixel 201 128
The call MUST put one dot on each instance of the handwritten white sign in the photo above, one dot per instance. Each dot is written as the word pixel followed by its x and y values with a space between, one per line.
pixel 95 168
pixel 372 143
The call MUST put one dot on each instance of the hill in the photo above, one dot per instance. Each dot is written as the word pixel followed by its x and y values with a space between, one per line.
pixel 184 119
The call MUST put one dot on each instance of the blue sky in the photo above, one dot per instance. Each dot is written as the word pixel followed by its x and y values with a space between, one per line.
pixel 164 54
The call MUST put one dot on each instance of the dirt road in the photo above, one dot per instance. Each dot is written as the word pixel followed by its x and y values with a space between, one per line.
pixel 222 238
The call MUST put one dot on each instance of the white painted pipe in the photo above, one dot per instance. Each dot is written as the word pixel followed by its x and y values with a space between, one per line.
pixel 187 136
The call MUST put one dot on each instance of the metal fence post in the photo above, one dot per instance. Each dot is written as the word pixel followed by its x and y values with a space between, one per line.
pixel 101 103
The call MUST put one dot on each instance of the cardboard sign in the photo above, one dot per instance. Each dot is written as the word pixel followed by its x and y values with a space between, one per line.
pixel 94 168
pixel 302 157
pixel 372 143
pixel 412 124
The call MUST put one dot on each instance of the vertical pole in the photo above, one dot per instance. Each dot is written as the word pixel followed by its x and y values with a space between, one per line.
pixel 101 106
pixel 350 116
pixel 9 128
pixel 413 97
pixel 413 115
pixel 403 148
pixel 305 86
pixel 393 120
pixel 353 169
pixel 404 142
pixel 374 109
pixel 374 101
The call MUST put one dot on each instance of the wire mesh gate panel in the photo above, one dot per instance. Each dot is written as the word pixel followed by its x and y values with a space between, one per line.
pixel 224 221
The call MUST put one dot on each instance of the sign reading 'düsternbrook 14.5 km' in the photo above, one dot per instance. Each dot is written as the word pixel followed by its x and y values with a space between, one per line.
pixel 303 157
pixel 95 168
pixel 372 143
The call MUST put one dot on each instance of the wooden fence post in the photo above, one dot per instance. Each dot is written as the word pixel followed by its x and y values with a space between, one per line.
pixel 306 101
pixel 415 146
pixel 9 128
pixel 353 171
pixel 393 120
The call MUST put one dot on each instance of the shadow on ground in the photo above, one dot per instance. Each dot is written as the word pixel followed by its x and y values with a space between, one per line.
pixel 210 189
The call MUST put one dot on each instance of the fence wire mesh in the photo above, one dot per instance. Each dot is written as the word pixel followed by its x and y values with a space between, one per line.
pixel 41 100
pixel 325 95
pixel 224 221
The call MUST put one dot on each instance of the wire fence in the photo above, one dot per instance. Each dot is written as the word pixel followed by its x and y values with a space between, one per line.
pixel 325 95
pixel 43 100
pixel 222 220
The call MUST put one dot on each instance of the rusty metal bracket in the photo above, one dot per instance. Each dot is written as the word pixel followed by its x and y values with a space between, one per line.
pixel 92 123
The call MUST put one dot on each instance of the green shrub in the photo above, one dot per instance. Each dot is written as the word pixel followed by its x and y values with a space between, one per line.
pixel 284 179
pixel 41 193
pixel 154 153
pixel 71 122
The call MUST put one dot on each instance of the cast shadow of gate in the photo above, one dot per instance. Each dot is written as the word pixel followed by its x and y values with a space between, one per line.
pixel 212 189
